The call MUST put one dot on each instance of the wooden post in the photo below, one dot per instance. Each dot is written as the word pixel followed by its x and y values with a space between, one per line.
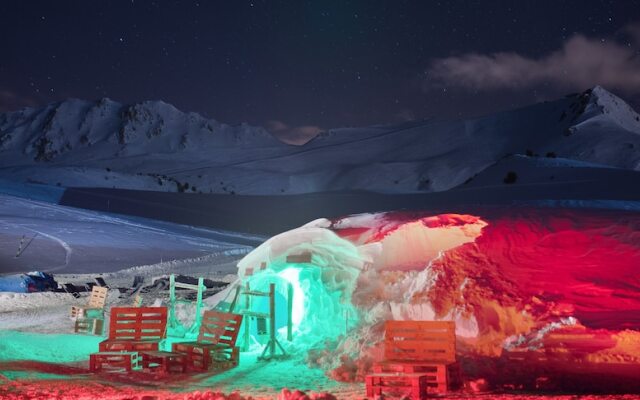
pixel 289 311
pixel 272 319
pixel 247 321
pixel 195 328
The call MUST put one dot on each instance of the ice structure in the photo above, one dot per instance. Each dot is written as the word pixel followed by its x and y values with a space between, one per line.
pixel 561 284
pixel 361 270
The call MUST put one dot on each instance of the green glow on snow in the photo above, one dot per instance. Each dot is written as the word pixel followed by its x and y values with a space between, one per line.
pixel 322 290
pixel 54 348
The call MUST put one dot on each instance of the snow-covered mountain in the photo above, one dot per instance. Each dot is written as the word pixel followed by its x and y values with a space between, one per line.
pixel 154 146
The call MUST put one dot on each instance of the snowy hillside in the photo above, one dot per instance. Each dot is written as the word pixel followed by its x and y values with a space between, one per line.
pixel 153 146
pixel 40 236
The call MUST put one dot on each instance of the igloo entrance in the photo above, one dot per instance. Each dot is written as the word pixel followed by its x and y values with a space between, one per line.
pixel 317 271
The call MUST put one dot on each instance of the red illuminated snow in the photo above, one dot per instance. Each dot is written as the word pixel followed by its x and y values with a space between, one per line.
pixel 553 287
pixel 544 299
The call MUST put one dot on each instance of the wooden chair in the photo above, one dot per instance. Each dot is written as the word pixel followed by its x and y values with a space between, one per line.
pixel 216 344
pixel 137 301
pixel 97 301
pixel 135 329
pixel 91 326
pixel 419 359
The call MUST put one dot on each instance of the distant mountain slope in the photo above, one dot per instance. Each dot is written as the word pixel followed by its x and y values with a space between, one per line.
pixel 153 146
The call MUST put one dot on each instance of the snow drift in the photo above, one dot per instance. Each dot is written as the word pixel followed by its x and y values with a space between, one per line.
pixel 559 284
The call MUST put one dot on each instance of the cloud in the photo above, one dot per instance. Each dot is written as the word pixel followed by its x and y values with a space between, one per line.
pixel 297 135
pixel 580 63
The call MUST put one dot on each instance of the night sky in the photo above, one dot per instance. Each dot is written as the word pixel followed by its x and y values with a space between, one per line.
pixel 293 65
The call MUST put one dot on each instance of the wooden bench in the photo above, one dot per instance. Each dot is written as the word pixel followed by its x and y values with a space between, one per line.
pixel 135 329
pixel 413 386
pixel 113 360
pixel 422 351
pixel 163 361
pixel 97 301
pixel 216 344
pixel 91 326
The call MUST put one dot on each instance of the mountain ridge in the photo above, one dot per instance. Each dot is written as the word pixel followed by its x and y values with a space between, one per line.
pixel 152 145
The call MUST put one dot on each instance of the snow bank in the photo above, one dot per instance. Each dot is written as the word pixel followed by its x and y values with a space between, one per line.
pixel 508 279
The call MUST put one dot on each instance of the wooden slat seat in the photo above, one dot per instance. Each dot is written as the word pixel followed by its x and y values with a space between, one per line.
pixel 413 386
pixel 163 361
pixel 135 329
pixel 118 360
pixel 426 348
pixel 216 344
pixel 93 326
pixel 97 301
pixel 129 345
pixel 410 341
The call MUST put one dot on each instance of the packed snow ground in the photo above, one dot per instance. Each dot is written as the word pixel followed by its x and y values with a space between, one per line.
pixel 36 327
pixel 36 235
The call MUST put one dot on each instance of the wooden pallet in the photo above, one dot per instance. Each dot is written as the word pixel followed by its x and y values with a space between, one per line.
pixel 97 301
pixel 432 341
pixel 440 377
pixel 135 329
pixel 91 326
pixel 163 361
pixel 113 360
pixel 215 347
pixel 129 345
pixel 202 357
pixel 414 386
pixel 423 351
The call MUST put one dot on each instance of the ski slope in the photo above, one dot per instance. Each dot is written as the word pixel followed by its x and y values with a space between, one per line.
pixel 63 239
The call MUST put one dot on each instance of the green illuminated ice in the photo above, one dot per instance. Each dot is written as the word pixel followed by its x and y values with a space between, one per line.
pixel 322 269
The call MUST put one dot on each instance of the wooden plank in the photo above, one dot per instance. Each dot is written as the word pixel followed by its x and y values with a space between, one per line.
pixel 412 385
pixel 421 344
pixel 216 340
pixel 186 286
pixel 423 336
pixel 256 293
pixel 136 323
pixel 98 297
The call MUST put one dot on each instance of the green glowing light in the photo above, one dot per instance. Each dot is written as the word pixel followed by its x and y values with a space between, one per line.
pixel 292 275
pixel 322 286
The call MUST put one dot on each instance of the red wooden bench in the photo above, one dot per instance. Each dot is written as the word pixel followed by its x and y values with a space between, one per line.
pixel 418 355
pixel 163 361
pixel 216 344
pixel 412 386
pixel 110 359
pixel 135 329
